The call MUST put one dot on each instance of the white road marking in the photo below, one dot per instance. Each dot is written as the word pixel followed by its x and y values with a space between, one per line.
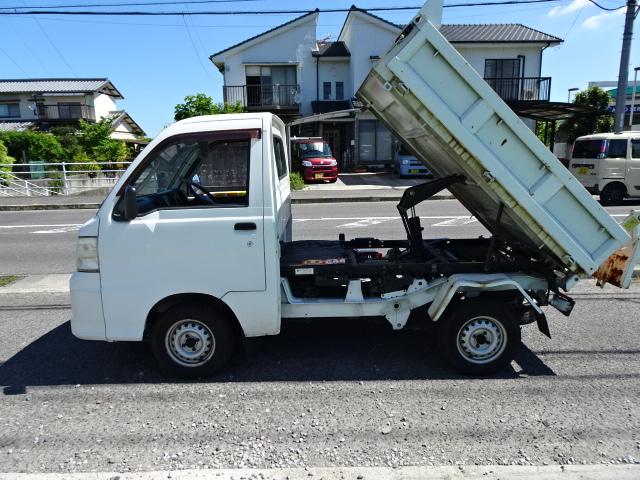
pixel 455 222
pixel 58 225
pixel 74 228
pixel 365 222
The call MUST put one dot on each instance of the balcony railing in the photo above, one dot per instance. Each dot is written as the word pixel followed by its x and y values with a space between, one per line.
pixel 257 97
pixel 522 89
pixel 66 112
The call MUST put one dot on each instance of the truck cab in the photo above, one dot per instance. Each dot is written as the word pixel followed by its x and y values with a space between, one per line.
pixel 166 240
pixel 608 164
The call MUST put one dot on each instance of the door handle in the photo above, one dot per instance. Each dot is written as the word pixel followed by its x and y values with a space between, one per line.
pixel 245 226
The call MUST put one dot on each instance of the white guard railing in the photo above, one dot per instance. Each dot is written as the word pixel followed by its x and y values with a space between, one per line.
pixel 63 178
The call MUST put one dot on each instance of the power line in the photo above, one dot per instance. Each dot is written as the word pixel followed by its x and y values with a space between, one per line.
pixel 195 49
pixel 13 61
pixel 266 12
pixel 605 8
pixel 53 45
pixel 137 4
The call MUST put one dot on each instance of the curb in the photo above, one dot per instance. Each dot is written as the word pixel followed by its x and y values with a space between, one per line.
pixel 57 206
pixel 294 201
pixel 471 472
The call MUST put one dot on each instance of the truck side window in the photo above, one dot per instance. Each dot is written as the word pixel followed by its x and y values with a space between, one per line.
pixel 617 149
pixel 635 148
pixel 198 170
pixel 280 157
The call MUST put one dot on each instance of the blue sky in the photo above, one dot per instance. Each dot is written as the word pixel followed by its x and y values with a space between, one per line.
pixel 156 61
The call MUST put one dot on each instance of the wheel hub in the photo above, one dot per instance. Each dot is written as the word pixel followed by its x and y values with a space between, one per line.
pixel 481 340
pixel 190 342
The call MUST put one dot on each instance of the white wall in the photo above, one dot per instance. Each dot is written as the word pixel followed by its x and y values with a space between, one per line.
pixel 334 71
pixel 290 46
pixel 365 39
pixel 103 105
pixel 476 54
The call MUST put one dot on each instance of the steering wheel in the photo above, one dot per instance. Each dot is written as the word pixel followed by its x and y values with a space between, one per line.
pixel 207 198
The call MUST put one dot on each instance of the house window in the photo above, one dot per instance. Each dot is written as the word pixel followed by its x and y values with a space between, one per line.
pixel 271 85
pixel 326 90
pixel 9 110
pixel 374 142
pixel 339 90
pixel 503 74
pixel 69 110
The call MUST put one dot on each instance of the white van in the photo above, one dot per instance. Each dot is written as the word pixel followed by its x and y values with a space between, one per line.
pixel 608 164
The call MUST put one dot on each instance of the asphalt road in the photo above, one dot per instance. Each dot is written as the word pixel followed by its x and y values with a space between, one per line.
pixel 37 242
pixel 330 393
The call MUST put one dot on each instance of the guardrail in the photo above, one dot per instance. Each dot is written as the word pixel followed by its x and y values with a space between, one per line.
pixel 63 178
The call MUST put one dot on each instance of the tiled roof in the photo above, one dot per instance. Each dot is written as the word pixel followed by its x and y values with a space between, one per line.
pixel 490 33
pixel 315 12
pixel 58 85
pixel 332 49
pixel 15 126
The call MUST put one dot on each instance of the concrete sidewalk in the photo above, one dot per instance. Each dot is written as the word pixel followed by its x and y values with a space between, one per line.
pixel 471 472
pixel 350 187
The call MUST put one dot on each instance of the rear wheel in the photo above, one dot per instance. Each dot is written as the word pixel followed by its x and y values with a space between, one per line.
pixel 613 194
pixel 479 337
pixel 192 341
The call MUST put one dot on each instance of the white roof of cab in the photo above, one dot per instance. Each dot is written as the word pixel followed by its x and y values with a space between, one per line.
pixel 610 136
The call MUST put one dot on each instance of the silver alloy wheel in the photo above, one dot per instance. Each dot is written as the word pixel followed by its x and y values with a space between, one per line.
pixel 190 343
pixel 481 340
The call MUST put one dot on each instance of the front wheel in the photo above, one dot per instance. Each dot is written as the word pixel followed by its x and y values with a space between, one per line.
pixel 192 341
pixel 479 337
pixel 612 194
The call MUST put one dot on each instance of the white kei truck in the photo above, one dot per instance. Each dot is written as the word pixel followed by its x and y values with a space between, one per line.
pixel 193 249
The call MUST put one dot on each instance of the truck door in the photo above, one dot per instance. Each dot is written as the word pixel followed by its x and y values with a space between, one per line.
pixel 633 169
pixel 199 227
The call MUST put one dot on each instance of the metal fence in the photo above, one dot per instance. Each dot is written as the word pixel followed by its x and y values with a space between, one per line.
pixel 64 178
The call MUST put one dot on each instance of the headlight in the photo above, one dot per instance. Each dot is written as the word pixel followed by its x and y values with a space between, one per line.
pixel 405 161
pixel 87 255
pixel 333 163
pixel 306 163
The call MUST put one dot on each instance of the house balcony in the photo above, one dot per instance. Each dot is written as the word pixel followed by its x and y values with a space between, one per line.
pixel 522 89
pixel 264 97
pixel 65 113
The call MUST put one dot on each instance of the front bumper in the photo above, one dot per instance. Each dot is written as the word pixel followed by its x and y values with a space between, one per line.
pixel 320 173
pixel 87 321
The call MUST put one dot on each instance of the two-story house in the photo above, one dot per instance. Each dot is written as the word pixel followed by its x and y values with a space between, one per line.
pixel 289 72
pixel 41 103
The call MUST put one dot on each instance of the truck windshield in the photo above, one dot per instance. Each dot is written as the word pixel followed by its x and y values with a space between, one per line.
pixel 588 149
pixel 600 149
pixel 315 149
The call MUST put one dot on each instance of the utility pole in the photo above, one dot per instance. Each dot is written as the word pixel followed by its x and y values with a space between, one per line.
pixel 623 74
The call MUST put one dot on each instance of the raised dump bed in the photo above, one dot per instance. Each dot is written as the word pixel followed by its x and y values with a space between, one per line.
pixel 426 93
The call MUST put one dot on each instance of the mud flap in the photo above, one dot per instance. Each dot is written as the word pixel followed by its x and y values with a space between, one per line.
pixel 543 325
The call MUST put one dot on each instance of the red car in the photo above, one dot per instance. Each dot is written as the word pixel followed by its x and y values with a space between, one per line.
pixel 316 160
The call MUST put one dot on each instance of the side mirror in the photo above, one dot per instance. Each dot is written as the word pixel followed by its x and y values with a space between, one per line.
pixel 130 203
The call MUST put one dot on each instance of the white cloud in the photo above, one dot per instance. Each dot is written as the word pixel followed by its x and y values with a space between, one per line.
pixel 574 6
pixel 597 21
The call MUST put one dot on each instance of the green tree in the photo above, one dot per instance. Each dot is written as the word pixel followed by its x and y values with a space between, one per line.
pixel 586 124
pixel 35 145
pixel 95 138
pixel 5 160
pixel 201 104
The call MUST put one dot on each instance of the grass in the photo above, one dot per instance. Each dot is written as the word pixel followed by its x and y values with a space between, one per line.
pixel 8 279
pixel 297 183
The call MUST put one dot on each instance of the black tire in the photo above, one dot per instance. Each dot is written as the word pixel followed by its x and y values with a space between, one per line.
pixel 613 194
pixel 191 341
pixel 486 322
